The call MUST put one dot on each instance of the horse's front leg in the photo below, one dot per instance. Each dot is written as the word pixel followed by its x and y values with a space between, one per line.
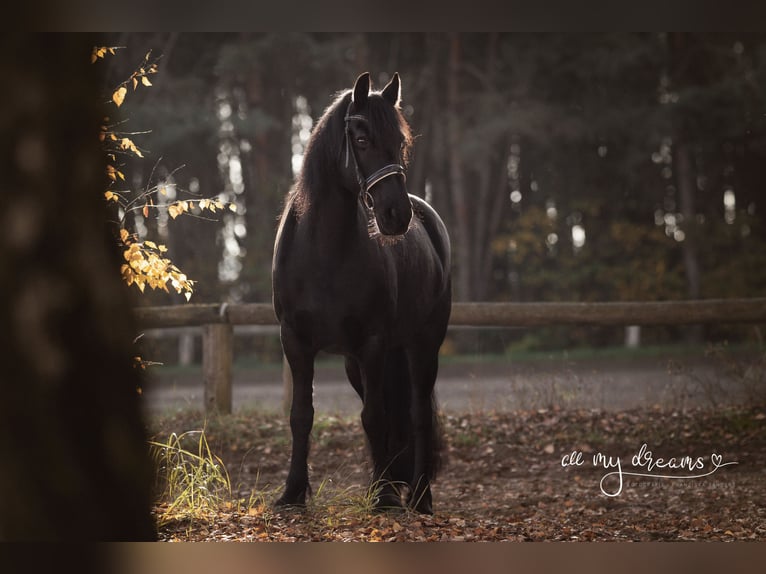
pixel 300 357
pixel 375 426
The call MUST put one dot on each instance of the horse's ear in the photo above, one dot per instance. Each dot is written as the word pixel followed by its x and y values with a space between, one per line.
pixel 393 90
pixel 361 89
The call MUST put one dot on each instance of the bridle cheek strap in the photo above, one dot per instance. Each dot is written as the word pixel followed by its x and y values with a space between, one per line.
pixel 365 185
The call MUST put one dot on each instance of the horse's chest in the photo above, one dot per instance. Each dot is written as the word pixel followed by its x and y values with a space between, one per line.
pixel 345 292
pixel 338 310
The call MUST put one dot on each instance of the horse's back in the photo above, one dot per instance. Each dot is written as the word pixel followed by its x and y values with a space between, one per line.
pixel 434 227
pixel 439 241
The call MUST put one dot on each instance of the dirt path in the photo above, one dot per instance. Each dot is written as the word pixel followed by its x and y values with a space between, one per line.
pixel 616 384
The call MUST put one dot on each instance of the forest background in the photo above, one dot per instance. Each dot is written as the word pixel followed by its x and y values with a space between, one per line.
pixel 567 167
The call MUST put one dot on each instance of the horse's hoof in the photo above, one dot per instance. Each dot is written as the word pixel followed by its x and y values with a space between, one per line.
pixel 424 508
pixel 288 503
pixel 386 505
pixel 389 499
pixel 285 508
pixel 422 504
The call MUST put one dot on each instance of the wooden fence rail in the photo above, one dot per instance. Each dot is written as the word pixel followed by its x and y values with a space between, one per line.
pixel 217 321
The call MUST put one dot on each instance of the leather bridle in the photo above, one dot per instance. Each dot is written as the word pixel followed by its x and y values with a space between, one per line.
pixel 367 183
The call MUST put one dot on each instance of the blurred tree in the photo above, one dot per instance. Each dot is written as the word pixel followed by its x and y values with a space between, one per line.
pixel 75 458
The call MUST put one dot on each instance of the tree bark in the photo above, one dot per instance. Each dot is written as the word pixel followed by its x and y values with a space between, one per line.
pixel 462 241
pixel 75 458
pixel 686 179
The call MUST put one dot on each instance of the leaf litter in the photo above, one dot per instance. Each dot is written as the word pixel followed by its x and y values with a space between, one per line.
pixel 502 479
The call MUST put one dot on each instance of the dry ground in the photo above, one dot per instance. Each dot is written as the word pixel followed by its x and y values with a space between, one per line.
pixel 502 478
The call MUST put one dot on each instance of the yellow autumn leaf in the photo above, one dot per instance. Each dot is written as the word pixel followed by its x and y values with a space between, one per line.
pixel 135 82
pixel 119 95
pixel 173 210
pixel 162 248
pixel 124 235
pixel 145 81
pixel 233 207
pixel 98 52
pixel 151 244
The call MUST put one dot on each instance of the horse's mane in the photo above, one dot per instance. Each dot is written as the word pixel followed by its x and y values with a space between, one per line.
pixel 323 156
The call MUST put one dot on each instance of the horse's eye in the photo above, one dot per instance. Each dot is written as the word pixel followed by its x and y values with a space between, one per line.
pixel 361 140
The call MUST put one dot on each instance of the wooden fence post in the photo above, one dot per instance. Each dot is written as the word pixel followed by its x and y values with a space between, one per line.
pixel 217 356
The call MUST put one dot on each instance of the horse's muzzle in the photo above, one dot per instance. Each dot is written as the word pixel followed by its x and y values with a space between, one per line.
pixel 394 219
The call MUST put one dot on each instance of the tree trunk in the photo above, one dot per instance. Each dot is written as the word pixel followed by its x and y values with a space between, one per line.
pixel 75 458
pixel 462 241
pixel 492 179
pixel 686 179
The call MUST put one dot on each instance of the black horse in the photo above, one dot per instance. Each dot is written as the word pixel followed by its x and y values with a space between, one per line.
pixel 361 269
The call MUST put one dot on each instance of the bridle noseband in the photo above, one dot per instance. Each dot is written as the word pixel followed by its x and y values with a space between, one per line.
pixel 366 184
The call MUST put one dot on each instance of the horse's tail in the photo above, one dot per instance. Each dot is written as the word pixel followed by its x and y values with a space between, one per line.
pixel 398 413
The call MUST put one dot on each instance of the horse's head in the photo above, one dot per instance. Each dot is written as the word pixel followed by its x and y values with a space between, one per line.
pixel 377 139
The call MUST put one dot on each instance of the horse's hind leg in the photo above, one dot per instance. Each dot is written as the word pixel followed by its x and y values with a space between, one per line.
pixel 354 376
pixel 301 361
pixel 424 363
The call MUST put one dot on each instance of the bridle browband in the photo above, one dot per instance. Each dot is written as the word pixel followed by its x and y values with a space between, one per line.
pixel 366 184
